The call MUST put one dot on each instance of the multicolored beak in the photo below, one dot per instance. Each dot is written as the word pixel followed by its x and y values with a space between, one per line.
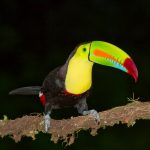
pixel 110 55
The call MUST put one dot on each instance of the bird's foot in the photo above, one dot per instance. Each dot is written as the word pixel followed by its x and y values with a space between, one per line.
pixel 47 120
pixel 93 113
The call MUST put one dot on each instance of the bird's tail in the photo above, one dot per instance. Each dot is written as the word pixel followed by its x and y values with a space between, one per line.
pixel 31 90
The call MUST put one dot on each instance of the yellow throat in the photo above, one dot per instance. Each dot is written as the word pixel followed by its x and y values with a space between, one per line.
pixel 79 75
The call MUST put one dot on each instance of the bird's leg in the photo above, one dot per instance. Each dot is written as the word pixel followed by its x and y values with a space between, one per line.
pixel 47 117
pixel 82 108
pixel 47 120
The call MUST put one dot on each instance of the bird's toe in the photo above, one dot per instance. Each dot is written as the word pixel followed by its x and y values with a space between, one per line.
pixel 93 113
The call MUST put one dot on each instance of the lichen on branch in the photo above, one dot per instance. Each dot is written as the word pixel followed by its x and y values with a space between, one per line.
pixel 66 128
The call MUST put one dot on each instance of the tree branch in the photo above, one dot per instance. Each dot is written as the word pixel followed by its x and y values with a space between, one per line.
pixel 66 128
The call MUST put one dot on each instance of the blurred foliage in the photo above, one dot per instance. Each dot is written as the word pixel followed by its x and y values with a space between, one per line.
pixel 37 35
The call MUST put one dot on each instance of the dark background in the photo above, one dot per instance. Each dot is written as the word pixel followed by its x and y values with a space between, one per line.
pixel 37 35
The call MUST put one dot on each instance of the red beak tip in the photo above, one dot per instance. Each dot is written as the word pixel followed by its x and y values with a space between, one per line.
pixel 131 67
pixel 135 79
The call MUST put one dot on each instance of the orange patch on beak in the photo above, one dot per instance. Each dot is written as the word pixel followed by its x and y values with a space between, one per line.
pixel 105 55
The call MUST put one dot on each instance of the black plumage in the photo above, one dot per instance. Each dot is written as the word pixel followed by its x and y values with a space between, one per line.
pixel 54 91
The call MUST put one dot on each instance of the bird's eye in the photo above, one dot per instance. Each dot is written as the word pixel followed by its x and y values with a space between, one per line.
pixel 84 49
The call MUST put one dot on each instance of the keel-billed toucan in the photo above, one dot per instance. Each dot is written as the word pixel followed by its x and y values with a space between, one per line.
pixel 69 84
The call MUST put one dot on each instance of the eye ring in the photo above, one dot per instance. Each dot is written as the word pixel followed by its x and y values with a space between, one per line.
pixel 84 49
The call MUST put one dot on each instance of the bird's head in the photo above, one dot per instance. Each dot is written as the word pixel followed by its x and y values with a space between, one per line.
pixel 109 55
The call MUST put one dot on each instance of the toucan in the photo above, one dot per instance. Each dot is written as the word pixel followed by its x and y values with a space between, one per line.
pixel 69 85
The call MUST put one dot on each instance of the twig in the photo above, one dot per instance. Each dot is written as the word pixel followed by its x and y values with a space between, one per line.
pixel 66 128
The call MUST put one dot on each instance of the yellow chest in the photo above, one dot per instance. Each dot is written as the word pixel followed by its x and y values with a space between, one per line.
pixel 79 76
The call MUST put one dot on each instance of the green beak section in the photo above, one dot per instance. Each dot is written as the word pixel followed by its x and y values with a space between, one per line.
pixel 110 55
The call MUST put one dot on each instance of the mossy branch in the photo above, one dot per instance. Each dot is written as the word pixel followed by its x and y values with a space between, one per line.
pixel 66 128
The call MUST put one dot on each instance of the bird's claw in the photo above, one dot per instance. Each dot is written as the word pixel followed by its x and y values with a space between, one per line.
pixel 93 113
pixel 47 122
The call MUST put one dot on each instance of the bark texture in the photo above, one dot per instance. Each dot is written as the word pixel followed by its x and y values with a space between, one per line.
pixel 65 129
